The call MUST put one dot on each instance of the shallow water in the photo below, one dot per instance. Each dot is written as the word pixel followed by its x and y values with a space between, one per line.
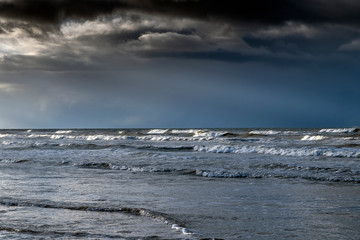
pixel 180 184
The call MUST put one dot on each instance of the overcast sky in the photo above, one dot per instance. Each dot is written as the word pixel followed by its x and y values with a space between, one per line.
pixel 179 63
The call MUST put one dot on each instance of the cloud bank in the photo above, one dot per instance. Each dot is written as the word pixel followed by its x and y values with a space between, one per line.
pixel 88 32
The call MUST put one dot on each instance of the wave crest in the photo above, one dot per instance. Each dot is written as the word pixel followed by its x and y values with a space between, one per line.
pixel 296 152
pixel 339 130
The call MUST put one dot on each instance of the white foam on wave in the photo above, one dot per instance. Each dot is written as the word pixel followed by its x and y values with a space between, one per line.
pixel 220 174
pixel 100 137
pixel 339 130
pixel 29 130
pixel 267 132
pixel 140 169
pixel 184 231
pixel 184 131
pixel 57 137
pixel 7 143
pixel 39 135
pixel 271 132
pixel 209 134
pixel 63 131
pixel 157 131
pixel 298 152
pixel 313 138
pixel 7 135
pixel 198 136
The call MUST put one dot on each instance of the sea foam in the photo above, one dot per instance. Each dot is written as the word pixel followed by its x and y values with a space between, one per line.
pixel 209 134
pixel 298 152
pixel 63 131
pixel 187 131
pixel 157 131
pixel 313 138
pixel 339 130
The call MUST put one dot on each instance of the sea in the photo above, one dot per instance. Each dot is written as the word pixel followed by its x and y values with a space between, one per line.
pixel 180 184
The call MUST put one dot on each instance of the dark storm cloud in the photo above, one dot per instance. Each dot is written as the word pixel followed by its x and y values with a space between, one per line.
pixel 47 11
pixel 262 11
pixel 234 31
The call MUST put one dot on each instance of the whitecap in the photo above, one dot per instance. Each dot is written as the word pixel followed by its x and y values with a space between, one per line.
pixel 102 137
pixel 339 130
pixel 209 134
pixel 7 135
pixel 187 131
pixel 63 131
pixel 298 152
pixel 313 138
pixel 184 231
pixel 7 143
pixel 38 135
pixel 57 137
pixel 265 132
pixel 272 132
pixel 157 131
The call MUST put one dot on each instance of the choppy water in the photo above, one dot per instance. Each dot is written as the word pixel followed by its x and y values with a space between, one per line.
pixel 180 184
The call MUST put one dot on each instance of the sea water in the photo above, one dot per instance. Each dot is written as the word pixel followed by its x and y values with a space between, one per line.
pixel 180 184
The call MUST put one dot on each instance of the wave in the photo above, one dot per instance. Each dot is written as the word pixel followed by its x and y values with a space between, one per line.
pixel 158 216
pixel 7 135
pixel 307 169
pixel 152 135
pixel 134 169
pixel 272 132
pixel 63 131
pixel 339 130
pixel 14 160
pixel 166 148
pixel 298 152
pixel 209 134
pixel 67 235
pixel 8 143
pixel 184 131
pixel 39 135
pixel 157 131
pixel 284 175
pixel 271 170
pixel 313 138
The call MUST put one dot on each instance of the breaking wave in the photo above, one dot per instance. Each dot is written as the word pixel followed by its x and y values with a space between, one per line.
pixel 313 138
pixel 272 132
pixel 14 160
pixel 184 131
pixel 298 152
pixel 312 177
pixel 271 170
pixel 158 216
pixel 339 130
pixel 157 131
pixel 63 131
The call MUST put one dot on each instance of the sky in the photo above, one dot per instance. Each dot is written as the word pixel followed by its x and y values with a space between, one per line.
pixel 179 63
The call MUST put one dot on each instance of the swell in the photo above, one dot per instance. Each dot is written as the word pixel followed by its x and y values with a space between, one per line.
pixel 14 160
pixel 280 175
pixel 134 169
pixel 271 170
pixel 10 202
pixel 138 212
pixel 296 152
pixel 57 234
pixel 91 146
